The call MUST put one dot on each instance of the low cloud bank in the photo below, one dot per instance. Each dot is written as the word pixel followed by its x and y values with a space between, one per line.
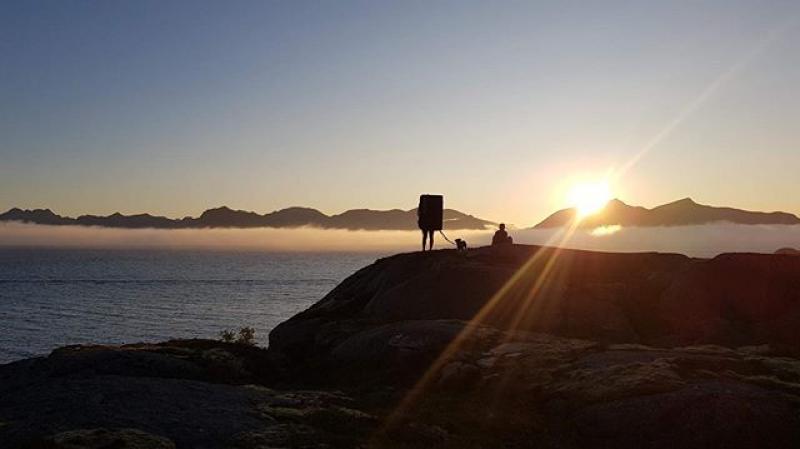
pixel 696 241
pixel 699 241
pixel 268 239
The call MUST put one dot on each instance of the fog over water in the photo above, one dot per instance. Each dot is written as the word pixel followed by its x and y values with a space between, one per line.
pixel 697 241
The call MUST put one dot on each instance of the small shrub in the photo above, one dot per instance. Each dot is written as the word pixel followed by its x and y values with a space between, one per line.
pixel 227 336
pixel 245 336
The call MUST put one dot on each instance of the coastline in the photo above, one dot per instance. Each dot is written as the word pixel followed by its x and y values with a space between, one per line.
pixel 404 353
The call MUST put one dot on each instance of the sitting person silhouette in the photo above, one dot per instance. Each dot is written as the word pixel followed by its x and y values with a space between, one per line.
pixel 501 237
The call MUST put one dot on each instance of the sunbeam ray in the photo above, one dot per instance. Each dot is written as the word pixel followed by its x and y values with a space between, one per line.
pixel 548 254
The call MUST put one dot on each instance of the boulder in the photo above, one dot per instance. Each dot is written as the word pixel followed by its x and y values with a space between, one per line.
pixel 105 438
pixel 190 393
pixel 735 300
pixel 788 252
pixel 707 414
pixel 644 298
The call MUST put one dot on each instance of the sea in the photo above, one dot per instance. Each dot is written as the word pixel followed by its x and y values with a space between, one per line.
pixel 56 297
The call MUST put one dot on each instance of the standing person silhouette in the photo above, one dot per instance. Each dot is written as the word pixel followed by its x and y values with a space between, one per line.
pixel 426 231
pixel 429 217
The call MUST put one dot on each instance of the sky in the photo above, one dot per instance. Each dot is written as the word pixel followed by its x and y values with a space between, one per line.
pixel 174 107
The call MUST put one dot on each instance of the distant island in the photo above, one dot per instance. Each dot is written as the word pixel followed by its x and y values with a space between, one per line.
pixel 224 217
pixel 683 212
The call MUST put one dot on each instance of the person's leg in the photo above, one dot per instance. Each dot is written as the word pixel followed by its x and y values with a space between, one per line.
pixel 430 242
pixel 424 238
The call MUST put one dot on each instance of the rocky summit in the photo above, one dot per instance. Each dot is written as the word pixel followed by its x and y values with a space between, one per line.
pixel 515 346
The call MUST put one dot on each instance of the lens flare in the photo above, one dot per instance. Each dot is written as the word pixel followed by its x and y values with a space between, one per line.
pixel 589 198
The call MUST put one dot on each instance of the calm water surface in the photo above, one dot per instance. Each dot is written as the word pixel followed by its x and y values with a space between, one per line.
pixel 55 297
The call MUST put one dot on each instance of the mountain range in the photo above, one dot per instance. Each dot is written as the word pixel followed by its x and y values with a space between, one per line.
pixel 224 217
pixel 677 213
pixel 683 212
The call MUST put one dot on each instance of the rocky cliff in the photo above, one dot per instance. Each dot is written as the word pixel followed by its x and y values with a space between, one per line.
pixel 538 347
pixel 497 347
pixel 644 298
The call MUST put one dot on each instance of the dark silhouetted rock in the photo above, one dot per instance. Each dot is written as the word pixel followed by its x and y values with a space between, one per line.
pixel 195 393
pixel 649 298
pixel 105 438
pixel 515 347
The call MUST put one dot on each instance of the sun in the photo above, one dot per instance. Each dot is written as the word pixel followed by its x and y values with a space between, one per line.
pixel 589 197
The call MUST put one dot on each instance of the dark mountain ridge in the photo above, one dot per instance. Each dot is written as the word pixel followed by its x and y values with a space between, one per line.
pixel 683 212
pixel 225 217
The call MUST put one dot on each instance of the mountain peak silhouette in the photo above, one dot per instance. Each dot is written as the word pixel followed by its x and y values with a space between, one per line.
pixel 683 212
pixel 225 217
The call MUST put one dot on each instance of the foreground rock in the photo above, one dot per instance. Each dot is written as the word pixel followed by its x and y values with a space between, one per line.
pixel 185 394
pixel 646 298
pixel 545 347
pixel 513 347
pixel 495 390
pixel 103 438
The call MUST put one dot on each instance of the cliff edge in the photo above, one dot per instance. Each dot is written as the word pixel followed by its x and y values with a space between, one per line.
pixel 516 347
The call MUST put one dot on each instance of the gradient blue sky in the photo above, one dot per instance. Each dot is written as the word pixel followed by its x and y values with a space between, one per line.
pixel 173 107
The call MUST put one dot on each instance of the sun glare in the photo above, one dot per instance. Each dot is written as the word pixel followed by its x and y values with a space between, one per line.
pixel 589 198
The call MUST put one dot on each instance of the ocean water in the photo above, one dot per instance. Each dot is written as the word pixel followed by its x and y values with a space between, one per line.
pixel 56 297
